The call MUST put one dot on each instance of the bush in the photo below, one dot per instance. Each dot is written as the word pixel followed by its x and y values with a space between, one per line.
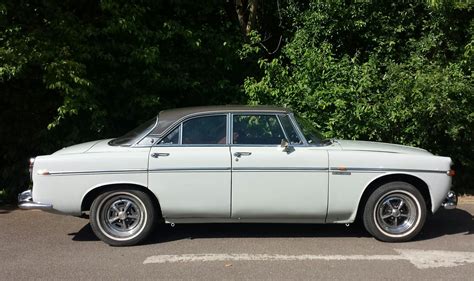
pixel 384 71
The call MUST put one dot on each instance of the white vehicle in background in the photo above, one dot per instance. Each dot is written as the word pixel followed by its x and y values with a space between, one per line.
pixel 227 164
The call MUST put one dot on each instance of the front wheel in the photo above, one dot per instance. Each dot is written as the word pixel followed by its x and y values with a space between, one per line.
pixel 122 217
pixel 395 212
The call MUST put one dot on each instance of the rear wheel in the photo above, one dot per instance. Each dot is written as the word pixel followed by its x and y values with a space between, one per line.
pixel 122 217
pixel 395 212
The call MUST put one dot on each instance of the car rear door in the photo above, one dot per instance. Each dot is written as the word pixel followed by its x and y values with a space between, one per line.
pixel 270 182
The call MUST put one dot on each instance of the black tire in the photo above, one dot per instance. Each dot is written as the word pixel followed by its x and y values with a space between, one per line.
pixel 390 220
pixel 122 217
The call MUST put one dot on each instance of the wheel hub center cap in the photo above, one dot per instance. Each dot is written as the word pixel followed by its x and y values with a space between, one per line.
pixel 122 215
pixel 395 213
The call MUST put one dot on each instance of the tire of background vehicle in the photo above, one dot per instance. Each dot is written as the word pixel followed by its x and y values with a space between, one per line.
pixel 122 217
pixel 395 212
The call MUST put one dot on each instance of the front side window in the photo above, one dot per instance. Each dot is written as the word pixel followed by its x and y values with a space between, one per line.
pixel 256 129
pixel 205 130
pixel 290 131
pixel 172 138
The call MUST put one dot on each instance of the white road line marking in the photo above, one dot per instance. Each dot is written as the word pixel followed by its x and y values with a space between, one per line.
pixel 420 258
pixel 430 259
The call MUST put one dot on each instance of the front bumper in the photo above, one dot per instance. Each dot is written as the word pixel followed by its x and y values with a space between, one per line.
pixel 451 201
pixel 25 201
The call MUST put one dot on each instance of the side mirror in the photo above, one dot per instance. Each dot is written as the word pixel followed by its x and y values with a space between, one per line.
pixel 286 146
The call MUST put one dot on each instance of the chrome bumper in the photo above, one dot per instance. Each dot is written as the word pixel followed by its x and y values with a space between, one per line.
pixel 25 201
pixel 451 201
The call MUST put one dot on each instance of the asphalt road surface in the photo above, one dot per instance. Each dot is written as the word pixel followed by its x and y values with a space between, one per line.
pixel 38 245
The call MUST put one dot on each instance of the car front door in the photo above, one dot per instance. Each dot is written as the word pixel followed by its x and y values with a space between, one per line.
pixel 271 182
pixel 190 169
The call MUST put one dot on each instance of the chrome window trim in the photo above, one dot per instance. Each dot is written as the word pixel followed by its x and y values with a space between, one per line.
pixel 282 129
pixel 229 114
pixel 298 129
pixel 220 112
pixel 230 135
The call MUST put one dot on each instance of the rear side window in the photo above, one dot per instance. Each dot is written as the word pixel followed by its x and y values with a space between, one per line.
pixel 205 130
pixel 256 129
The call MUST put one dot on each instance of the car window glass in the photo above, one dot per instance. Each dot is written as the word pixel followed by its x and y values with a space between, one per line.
pixel 205 130
pixel 290 131
pixel 256 129
pixel 171 138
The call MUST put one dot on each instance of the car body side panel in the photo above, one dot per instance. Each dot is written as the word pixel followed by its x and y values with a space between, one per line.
pixel 191 181
pixel 351 172
pixel 270 183
pixel 71 176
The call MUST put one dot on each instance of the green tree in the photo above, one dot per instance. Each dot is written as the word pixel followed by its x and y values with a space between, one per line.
pixel 95 69
pixel 387 71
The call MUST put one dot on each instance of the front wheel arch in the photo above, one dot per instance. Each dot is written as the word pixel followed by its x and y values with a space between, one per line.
pixel 378 182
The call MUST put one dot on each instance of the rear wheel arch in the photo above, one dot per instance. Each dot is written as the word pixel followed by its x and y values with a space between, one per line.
pixel 378 182
pixel 94 193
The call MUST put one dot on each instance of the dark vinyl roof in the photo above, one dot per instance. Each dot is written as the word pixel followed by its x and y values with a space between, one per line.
pixel 168 117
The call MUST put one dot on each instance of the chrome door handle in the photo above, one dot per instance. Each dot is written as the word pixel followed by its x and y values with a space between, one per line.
pixel 156 155
pixel 239 154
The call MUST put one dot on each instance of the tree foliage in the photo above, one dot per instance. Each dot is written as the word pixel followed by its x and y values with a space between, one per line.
pixel 78 70
pixel 394 71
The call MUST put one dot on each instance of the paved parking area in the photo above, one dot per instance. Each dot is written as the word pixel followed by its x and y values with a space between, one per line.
pixel 38 245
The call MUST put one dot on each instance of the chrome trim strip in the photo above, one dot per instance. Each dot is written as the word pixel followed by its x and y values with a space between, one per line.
pixel 283 129
pixel 298 129
pixel 280 169
pixel 229 134
pixel 244 169
pixel 378 170
pixel 64 173
pixel 190 169
pixel 341 173
pixel 180 139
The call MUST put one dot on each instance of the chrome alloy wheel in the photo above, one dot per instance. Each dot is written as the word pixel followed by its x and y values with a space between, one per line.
pixel 121 216
pixel 397 213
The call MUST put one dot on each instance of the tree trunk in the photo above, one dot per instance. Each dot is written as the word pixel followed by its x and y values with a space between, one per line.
pixel 247 14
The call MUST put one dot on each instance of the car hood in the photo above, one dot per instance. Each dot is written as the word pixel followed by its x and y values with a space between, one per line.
pixel 82 147
pixel 379 147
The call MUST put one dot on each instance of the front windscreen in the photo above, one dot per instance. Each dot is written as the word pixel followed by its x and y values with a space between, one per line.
pixel 132 136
